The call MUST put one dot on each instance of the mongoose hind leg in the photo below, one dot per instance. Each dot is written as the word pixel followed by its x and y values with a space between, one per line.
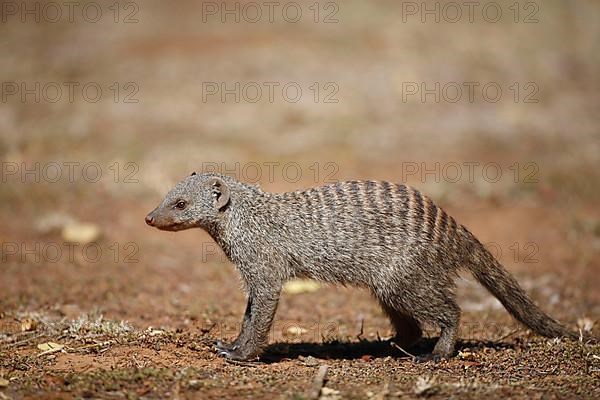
pixel 444 348
pixel 407 329
pixel 445 345
pixel 426 302
pixel 448 317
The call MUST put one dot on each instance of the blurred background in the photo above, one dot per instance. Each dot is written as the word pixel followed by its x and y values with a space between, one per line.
pixel 490 109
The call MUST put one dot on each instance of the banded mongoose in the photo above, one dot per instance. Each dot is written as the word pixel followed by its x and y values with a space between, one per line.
pixel 383 236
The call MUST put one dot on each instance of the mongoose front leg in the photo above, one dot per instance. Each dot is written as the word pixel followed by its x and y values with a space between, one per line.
pixel 254 335
pixel 222 346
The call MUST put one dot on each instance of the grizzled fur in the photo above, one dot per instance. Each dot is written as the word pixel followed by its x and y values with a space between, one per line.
pixel 383 236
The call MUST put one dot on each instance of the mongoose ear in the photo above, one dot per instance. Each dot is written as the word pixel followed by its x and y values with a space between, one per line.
pixel 220 193
pixel 193 173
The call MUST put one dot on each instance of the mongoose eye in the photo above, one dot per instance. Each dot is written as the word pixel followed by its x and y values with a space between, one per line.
pixel 180 205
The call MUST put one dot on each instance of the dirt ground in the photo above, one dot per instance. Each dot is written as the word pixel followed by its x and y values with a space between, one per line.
pixel 95 304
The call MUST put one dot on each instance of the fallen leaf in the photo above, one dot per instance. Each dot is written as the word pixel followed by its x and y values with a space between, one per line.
pixel 466 355
pixel 301 286
pixel 585 324
pixel 50 347
pixel 296 330
pixel 53 222
pixel 28 324
pixel 367 357
pixel 82 233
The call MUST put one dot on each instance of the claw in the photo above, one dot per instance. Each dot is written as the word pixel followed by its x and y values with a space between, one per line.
pixel 229 351
pixel 224 347
pixel 221 346
pixel 232 354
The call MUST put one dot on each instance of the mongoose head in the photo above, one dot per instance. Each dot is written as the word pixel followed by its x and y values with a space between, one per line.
pixel 195 202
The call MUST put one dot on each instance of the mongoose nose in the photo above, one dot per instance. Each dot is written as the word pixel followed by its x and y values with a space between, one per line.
pixel 149 219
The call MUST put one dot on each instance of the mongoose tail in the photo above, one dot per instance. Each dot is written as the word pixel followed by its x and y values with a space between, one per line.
pixel 492 275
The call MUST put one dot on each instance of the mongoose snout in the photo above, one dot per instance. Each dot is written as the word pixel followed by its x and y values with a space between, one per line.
pixel 383 236
pixel 161 221
pixel 149 219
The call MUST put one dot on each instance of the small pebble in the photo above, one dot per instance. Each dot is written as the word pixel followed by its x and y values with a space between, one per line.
pixel 309 361
pixel 194 384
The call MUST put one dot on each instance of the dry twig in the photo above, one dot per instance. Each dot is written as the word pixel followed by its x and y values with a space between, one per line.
pixel 402 350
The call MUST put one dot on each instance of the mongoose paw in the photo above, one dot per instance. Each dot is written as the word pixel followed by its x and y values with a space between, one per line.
pixel 436 358
pixel 231 351
pixel 235 354
pixel 222 346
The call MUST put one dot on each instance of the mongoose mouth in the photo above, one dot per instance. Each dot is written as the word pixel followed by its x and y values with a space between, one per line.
pixel 171 226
